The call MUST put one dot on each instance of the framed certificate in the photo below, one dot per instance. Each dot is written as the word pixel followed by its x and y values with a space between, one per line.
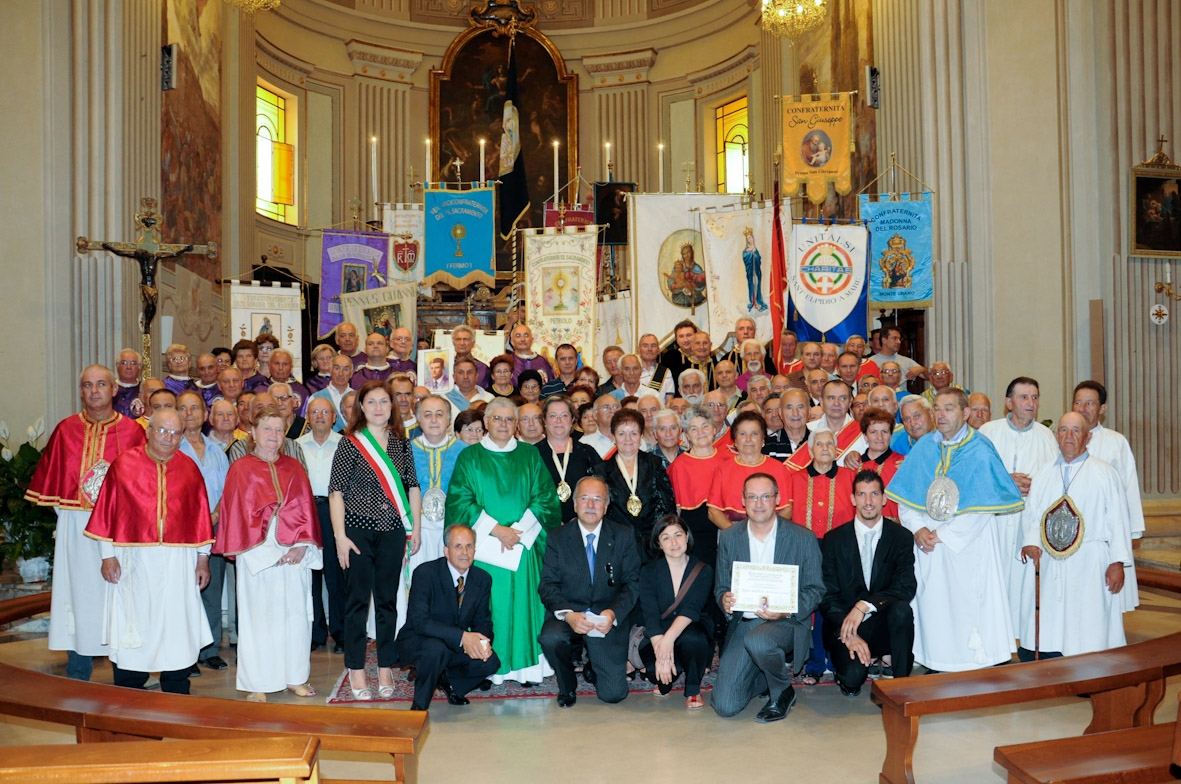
pixel 769 587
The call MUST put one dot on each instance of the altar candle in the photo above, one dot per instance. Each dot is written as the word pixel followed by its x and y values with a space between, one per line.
pixel 426 177
pixel 557 184
pixel 1169 272
pixel 607 176
pixel 373 175
pixel 660 166
pixel 481 161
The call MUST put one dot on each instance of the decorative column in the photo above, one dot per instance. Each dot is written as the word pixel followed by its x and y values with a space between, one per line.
pixel 620 85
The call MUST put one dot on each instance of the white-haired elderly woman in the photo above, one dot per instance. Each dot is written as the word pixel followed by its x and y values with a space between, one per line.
pixel 322 361
pixel 501 489
pixel 177 378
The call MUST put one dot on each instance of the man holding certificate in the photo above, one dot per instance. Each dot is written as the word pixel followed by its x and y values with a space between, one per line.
pixel 769 580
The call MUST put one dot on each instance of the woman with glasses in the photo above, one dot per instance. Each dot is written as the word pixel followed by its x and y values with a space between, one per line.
pixel 639 488
pixel 469 426
pixel 566 459
pixel 176 362
pixel 500 489
pixel 500 370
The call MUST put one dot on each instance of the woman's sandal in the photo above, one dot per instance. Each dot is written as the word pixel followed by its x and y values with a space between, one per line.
pixel 385 692
pixel 256 696
pixel 302 690
pixel 694 703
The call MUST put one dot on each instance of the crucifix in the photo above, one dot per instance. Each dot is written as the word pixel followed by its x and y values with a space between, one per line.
pixel 148 251
pixel 687 167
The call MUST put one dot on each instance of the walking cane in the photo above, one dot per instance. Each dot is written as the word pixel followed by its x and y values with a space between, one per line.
pixel 1037 610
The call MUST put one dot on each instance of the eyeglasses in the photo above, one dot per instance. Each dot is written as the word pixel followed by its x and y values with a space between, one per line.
pixel 128 363
pixel 285 397
pixel 472 429
pixel 163 431
pixel 762 499
pixel 502 420
pixel 591 499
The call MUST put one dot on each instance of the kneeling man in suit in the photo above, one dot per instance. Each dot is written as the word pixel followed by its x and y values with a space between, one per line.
pixel 448 631
pixel 869 583
pixel 591 565
pixel 763 647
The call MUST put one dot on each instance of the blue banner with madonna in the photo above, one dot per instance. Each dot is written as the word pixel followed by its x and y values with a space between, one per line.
pixel 900 274
pixel 459 237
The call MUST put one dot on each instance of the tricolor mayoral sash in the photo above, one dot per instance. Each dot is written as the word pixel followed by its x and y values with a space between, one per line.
pixel 387 474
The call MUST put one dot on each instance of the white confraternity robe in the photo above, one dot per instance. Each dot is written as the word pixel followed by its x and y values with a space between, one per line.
pixel 1022 452
pixel 1079 614
pixel 961 610
pixel 1112 448
pixel 154 620
pixel 76 608
pixel 274 616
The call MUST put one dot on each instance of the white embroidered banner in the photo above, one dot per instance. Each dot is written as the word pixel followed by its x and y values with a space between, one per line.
pixel 737 245
pixel 403 222
pixel 382 310
pixel 615 326
pixel 560 301
pixel 826 272
pixel 275 310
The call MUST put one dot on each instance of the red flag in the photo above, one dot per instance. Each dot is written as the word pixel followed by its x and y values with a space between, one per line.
pixel 778 277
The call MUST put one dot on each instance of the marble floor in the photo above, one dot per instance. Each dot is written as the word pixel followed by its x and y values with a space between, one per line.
pixel 827 737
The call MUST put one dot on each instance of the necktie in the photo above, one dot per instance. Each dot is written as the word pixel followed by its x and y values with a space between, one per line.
pixel 459 591
pixel 867 556
pixel 590 554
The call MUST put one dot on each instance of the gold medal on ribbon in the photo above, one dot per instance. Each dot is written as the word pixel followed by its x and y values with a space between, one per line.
pixel 634 505
pixel 563 491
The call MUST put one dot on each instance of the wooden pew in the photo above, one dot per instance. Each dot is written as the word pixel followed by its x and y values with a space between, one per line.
pixel 1140 754
pixel 1125 685
pixel 286 760
pixel 23 607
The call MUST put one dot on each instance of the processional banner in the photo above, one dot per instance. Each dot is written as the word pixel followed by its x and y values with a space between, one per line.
pixel 818 143
pixel 568 215
pixel 900 251
pixel 269 310
pixel 826 281
pixel 403 222
pixel 737 245
pixel 382 310
pixel 460 237
pixel 613 327
pixel 667 261
pixel 560 266
pixel 351 261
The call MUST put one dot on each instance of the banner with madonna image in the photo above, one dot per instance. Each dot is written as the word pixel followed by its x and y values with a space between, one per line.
pixel 900 269
pixel 269 310
pixel 818 144
pixel 828 291
pixel 737 245
pixel 669 282
pixel 460 231
pixel 560 266
pixel 403 222
pixel 351 261
pixel 383 310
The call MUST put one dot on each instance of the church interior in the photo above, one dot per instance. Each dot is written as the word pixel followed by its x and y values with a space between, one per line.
pixel 1024 118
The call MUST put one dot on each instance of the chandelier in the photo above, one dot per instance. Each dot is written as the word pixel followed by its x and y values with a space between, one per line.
pixel 792 18
pixel 250 6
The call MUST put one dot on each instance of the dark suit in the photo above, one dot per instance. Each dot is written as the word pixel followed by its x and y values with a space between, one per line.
pixel 757 652
pixel 652 488
pixel 890 628
pixel 432 637
pixel 566 584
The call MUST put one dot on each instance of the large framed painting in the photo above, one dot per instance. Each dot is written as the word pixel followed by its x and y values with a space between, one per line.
pixel 467 104
pixel 1155 229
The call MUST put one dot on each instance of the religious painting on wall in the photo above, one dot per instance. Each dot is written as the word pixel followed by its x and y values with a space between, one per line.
pixel 468 95
pixel 611 210
pixel 1156 208
pixel 190 147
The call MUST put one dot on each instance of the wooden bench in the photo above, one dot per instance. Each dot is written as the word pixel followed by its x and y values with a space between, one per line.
pixel 1140 754
pixel 286 760
pixel 101 713
pixel 1125 685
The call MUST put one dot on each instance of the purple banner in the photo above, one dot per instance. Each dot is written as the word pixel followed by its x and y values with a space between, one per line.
pixel 351 261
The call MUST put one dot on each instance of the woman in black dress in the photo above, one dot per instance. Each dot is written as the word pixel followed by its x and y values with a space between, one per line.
pixel 566 458
pixel 640 493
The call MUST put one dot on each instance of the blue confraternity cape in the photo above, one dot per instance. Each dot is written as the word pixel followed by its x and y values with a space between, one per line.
pixel 972 463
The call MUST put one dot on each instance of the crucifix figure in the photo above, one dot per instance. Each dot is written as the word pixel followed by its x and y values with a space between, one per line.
pixel 148 251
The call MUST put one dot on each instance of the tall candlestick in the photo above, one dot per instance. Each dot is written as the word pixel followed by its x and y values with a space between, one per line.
pixel 1169 272
pixel 426 176
pixel 482 161
pixel 660 167
pixel 557 184
pixel 607 175
pixel 373 176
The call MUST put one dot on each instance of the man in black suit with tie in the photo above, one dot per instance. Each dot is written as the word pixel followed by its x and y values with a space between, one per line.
pixel 869 582
pixel 591 565
pixel 448 630
pixel 763 647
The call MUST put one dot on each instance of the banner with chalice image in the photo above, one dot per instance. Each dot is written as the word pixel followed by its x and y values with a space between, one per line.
pixel 560 267
pixel 818 144
pixel 460 233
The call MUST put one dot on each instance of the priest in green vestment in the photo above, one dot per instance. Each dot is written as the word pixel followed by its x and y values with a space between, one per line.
pixel 501 489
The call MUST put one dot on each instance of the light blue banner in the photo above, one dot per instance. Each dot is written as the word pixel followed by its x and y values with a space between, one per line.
pixel 900 274
pixel 459 236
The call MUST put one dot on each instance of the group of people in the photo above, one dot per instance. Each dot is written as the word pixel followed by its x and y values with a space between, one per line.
pixel 537 520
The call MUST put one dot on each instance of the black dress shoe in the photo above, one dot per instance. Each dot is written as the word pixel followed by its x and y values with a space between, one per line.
pixel 194 671
pixel 338 648
pixel 588 673
pixel 317 645
pixel 485 685
pixel 453 697
pixel 778 708
pixel 567 700
pixel 416 706
pixel 215 663
pixel 847 691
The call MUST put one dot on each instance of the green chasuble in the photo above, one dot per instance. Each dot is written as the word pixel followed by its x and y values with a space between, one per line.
pixel 504 485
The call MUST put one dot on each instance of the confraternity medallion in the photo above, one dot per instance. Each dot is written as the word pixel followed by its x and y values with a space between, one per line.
pixel 943 499
pixel 92 482
pixel 1062 529
pixel 634 505
pixel 434 503
pixel 563 491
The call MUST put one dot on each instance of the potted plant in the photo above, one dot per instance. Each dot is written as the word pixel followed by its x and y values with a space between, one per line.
pixel 28 529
